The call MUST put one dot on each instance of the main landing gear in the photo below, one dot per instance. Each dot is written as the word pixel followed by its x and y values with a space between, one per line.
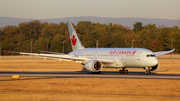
pixel 123 71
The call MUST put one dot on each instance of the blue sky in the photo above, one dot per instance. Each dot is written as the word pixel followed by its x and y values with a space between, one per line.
pixel 46 9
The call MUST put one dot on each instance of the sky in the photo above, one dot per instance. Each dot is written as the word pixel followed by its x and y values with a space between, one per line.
pixel 47 9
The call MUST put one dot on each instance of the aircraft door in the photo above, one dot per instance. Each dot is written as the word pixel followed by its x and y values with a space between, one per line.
pixel 122 57
pixel 95 55
pixel 139 55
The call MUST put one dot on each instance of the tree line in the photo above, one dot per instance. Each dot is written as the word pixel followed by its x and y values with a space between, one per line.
pixel 36 36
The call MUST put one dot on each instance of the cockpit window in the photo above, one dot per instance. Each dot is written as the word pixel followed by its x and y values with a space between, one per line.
pixel 150 55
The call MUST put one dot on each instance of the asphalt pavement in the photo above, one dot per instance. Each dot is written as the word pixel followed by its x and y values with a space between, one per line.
pixel 103 74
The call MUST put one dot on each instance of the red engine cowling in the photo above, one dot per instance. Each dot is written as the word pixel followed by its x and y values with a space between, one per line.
pixel 93 66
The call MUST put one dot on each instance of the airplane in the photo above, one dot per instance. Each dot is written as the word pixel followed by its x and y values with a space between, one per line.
pixel 94 59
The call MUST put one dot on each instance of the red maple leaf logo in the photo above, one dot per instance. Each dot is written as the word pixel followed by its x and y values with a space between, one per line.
pixel 73 40
pixel 134 52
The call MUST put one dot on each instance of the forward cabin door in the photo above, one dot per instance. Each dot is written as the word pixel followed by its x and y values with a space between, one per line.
pixel 139 56
pixel 122 57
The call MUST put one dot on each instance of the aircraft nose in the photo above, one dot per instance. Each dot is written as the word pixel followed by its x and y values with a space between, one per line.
pixel 154 61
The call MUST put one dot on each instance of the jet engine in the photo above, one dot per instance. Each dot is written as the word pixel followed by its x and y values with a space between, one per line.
pixel 93 65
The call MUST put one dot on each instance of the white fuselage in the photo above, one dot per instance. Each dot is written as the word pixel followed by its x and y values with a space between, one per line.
pixel 124 57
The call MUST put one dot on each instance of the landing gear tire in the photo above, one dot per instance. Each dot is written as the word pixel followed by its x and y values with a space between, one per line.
pixel 123 71
pixel 147 72
pixel 126 71
pixel 120 71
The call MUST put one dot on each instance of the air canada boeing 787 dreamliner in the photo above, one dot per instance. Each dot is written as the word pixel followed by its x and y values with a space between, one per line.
pixel 95 59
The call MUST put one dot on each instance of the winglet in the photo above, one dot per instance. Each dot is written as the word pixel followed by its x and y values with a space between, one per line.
pixel 164 52
pixel 75 42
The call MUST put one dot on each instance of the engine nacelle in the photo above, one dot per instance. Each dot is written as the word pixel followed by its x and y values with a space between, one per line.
pixel 93 66
pixel 153 68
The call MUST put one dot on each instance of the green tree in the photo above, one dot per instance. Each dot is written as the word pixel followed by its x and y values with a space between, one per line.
pixel 57 43
pixel 7 38
pixel 137 26
pixel 42 44
pixel 50 36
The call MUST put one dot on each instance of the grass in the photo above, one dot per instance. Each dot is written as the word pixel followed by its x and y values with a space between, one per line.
pixel 95 88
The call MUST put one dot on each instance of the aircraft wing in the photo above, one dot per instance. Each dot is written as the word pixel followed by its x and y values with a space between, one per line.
pixel 66 56
pixel 69 57
pixel 163 52
pixel 56 56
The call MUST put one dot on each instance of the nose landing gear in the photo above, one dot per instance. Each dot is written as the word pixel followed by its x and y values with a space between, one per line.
pixel 147 72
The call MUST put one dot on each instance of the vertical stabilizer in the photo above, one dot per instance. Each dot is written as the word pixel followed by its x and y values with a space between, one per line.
pixel 75 42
